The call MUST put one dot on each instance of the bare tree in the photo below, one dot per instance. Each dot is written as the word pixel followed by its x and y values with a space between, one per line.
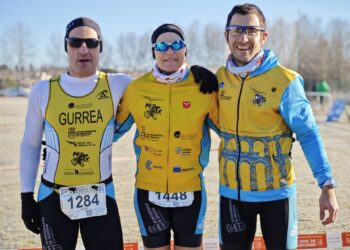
pixel 126 51
pixel 338 63
pixel 144 53
pixel 214 45
pixel 279 40
pixel 107 56
pixel 55 51
pixel 194 44
pixel 18 48
pixel 19 45
pixel 303 50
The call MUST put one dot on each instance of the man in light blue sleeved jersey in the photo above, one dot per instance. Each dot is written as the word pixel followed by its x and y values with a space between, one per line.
pixel 261 105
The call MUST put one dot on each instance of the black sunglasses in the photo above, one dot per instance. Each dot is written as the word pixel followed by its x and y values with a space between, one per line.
pixel 75 42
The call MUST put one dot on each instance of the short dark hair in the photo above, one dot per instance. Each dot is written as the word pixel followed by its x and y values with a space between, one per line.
pixel 246 9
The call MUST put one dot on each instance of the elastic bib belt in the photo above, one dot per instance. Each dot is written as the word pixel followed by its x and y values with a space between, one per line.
pixel 58 186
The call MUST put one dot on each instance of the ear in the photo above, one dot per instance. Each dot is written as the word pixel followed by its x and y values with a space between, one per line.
pixel 226 36
pixel 264 36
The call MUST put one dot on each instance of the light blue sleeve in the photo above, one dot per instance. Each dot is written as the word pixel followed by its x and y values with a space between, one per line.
pixel 213 127
pixel 297 113
pixel 121 129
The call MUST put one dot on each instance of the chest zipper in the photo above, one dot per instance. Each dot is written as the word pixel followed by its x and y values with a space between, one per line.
pixel 169 136
pixel 238 179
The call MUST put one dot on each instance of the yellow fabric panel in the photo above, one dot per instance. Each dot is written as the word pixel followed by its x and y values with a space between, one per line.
pixel 79 123
pixel 264 138
pixel 244 172
pixel 169 119
pixel 260 173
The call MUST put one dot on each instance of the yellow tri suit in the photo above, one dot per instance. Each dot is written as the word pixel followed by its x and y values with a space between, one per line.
pixel 172 141
pixel 78 133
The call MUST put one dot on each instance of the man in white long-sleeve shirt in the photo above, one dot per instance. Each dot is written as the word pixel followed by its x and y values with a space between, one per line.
pixel 77 112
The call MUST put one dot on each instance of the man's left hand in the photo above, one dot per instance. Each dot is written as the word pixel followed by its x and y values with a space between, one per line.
pixel 207 80
pixel 328 201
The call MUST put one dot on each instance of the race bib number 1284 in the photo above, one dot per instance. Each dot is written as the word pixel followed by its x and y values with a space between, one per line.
pixel 83 201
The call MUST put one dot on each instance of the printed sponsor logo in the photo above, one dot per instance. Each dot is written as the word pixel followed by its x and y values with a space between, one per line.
pixel 236 224
pixel 152 110
pixel 72 133
pixel 149 165
pixel 80 106
pixel 80 158
pixel 221 85
pixel 224 97
pixel 152 150
pixel 187 169
pixel 91 116
pixel 259 99
pixel 186 104
pixel 149 137
pixel 293 231
pixel 103 95
pixel 177 134
pixel 81 144
pixel 177 169
pixel 78 172
pixel 152 99
pixel 183 151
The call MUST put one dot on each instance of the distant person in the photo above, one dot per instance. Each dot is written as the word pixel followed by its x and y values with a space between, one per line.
pixel 323 89
pixel 172 144
pixel 77 112
pixel 261 105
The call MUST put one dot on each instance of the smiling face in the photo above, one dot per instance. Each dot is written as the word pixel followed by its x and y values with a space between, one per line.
pixel 170 60
pixel 245 47
pixel 83 61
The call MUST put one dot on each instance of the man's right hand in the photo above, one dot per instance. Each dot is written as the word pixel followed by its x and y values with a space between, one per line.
pixel 30 212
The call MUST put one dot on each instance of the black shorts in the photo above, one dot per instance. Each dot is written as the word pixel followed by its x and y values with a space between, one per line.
pixel 156 222
pixel 278 220
pixel 60 232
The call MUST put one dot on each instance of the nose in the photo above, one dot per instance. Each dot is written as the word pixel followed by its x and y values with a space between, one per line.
pixel 243 36
pixel 170 50
pixel 83 48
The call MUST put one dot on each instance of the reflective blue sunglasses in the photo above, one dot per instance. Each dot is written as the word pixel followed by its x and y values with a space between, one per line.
pixel 163 46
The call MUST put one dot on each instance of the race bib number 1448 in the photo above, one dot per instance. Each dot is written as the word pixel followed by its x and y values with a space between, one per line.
pixel 181 199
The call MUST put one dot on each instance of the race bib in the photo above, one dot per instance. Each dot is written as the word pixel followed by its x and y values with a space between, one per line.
pixel 85 201
pixel 181 199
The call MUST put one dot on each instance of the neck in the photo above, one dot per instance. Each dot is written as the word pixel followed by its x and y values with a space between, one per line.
pixel 165 72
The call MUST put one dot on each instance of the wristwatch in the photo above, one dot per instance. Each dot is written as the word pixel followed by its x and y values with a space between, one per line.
pixel 331 183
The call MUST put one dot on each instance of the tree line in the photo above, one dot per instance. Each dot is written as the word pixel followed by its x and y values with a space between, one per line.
pixel 317 50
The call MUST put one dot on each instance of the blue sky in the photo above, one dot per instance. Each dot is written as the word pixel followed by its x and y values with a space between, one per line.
pixel 45 17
